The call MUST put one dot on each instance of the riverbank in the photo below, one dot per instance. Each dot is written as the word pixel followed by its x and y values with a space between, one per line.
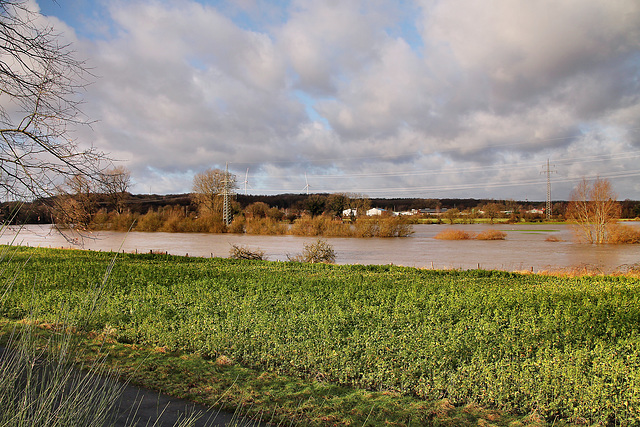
pixel 340 341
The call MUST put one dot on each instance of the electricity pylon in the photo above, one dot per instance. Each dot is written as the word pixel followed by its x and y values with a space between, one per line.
pixel 227 191
pixel 548 207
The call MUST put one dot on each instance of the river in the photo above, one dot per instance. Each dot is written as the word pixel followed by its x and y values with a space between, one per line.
pixel 525 247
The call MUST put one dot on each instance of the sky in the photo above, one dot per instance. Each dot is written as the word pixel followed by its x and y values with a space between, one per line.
pixel 422 98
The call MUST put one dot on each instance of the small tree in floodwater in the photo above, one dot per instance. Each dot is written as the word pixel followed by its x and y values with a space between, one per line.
pixel 593 208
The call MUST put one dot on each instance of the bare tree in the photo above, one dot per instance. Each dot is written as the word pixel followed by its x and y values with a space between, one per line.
pixel 39 83
pixel 315 204
pixel 359 203
pixel 593 208
pixel 76 203
pixel 257 210
pixel 492 211
pixel 208 187
pixel 452 214
pixel 336 203
pixel 115 183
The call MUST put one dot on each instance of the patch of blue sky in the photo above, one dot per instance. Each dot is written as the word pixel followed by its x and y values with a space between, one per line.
pixel 67 11
pixel 90 19
pixel 257 15
pixel 309 104
pixel 407 29
pixel 197 63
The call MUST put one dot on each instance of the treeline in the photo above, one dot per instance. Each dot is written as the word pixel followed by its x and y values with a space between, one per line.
pixel 290 206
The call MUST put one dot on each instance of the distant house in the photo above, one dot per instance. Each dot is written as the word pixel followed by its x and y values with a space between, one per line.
pixel 407 213
pixel 349 212
pixel 431 211
pixel 536 211
pixel 375 211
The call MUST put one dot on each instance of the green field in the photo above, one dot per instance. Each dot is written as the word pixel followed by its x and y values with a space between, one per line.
pixel 565 349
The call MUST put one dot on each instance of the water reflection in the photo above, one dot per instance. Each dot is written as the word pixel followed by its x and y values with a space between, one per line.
pixel 525 248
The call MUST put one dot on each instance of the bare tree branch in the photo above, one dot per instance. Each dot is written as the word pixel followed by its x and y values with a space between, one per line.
pixel 39 84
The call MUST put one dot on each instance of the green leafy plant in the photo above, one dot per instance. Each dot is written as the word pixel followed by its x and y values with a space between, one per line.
pixel 564 348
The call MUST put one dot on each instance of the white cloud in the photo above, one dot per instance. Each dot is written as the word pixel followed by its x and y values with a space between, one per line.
pixel 491 92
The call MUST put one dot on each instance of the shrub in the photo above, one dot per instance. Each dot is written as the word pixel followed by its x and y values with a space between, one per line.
pixel 307 226
pixel 491 235
pixel 619 234
pixel 317 252
pixel 210 223
pixel 101 219
pixel 265 226
pixel 237 225
pixel 175 222
pixel 452 234
pixel 365 228
pixel 243 252
pixel 394 227
pixel 151 221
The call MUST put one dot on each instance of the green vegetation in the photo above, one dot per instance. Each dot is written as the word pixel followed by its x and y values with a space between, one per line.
pixel 564 349
pixel 44 382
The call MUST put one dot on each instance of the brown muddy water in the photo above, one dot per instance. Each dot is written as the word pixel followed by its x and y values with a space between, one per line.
pixel 525 247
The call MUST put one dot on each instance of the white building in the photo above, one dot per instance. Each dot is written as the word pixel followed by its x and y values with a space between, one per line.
pixel 375 211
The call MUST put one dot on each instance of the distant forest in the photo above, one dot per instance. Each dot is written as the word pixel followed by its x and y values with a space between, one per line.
pixel 39 211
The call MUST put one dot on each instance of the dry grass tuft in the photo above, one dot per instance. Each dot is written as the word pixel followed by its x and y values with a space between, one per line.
pixel 451 234
pixel 443 408
pixel 223 360
pixel 632 270
pixel 491 235
pixel 552 239
pixel 575 271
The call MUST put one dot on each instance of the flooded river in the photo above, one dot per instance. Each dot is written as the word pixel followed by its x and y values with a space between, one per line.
pixel 525 247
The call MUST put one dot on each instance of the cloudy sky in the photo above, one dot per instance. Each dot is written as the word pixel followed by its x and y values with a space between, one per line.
pixel 423 98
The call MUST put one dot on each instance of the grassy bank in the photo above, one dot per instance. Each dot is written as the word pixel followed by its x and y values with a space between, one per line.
pixel 533 347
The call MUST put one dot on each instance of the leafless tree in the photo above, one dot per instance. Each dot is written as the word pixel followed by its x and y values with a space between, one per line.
pixel 115 183
pixel 39 84
pixel 336 203
pixel 359 203
pixel 492 211
pixel 208 187
pixel 452 214
pixel 76 203
pixel 593 208
pixel 257 210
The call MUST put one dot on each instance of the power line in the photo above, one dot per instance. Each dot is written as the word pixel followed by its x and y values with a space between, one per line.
pixel 537 182
pixel 458 170
pixel 413 154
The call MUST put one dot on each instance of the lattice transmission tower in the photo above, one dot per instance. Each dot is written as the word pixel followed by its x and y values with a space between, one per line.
pixel 548 207
pixel 227 192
